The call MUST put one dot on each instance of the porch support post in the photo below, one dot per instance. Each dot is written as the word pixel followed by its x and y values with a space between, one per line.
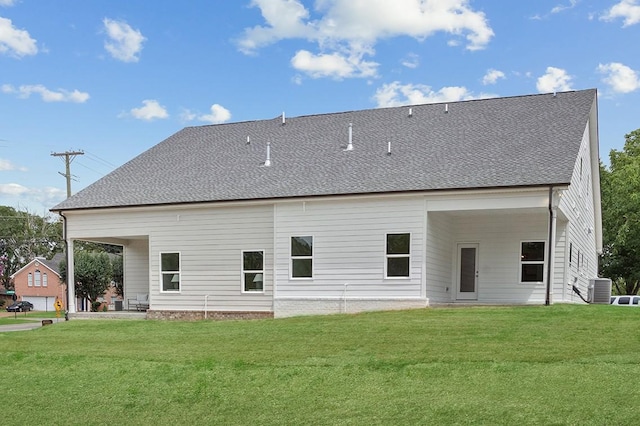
pixel 71 286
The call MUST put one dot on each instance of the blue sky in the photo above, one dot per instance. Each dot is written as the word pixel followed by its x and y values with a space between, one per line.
pixel 115 77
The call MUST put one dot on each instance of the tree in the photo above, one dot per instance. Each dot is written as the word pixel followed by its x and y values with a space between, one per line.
pixel 24 236
pixel 92 272
pixel 620 189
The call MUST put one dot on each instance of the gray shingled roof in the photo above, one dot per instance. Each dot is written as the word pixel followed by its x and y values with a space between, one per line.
pixel 502 142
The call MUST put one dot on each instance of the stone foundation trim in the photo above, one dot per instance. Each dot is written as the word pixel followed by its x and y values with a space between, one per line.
pixel 211 315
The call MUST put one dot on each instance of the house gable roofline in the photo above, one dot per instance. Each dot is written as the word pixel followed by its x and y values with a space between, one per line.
pixel 44 262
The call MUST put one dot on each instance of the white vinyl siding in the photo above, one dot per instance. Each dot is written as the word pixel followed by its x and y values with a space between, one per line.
pixel 440 257
pixel 577 206
pixel 349 240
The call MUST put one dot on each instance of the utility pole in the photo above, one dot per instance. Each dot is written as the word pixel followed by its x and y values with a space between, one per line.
pixel 68 158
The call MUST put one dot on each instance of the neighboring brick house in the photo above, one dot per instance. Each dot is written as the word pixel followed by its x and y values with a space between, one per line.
pixel 39 282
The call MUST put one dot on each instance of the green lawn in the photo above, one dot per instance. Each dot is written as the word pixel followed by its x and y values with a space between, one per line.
pixel 22 317
pixel 574 365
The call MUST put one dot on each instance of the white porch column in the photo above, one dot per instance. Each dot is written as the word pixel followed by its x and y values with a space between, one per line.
pixel 71 280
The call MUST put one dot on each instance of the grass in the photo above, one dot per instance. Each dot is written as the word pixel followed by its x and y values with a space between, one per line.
pixel 7 318
pixel 524 365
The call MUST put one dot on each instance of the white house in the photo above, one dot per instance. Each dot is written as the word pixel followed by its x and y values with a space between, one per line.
pixel 493 201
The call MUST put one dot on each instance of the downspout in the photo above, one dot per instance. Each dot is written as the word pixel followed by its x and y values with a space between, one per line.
pixel 551 251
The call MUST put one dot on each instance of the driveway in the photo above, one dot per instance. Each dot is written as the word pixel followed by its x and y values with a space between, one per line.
pixel 30 325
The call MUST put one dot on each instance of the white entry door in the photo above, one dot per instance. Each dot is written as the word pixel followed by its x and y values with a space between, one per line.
pixel 467 272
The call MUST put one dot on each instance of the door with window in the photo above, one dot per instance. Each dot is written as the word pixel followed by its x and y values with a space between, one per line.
pixel 467 286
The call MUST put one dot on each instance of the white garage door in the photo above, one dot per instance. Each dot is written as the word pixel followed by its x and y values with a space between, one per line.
pixel 41 303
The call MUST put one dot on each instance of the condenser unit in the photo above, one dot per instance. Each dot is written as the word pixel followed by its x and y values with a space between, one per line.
pixel 600 290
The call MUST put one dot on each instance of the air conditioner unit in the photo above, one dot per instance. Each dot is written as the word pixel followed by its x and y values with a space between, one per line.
pixel 600 290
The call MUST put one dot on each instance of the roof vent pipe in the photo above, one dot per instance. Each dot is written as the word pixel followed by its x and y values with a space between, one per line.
pixel 350 144
pixel 248 140
pixel 283 119
pixel 446 108
pixel 267 163
pixel 389 148
pixel 410 112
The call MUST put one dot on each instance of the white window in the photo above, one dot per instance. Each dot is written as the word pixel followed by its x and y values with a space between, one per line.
pixel 398 255
pixel 170 271
pixel 253 271
pixel 532 262
pixel 302 257
pixel 38 278
pixel 30 279
pixel 45 280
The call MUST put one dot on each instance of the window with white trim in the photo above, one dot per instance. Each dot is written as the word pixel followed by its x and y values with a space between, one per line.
pixel 45 280
pixel 30 279
pixel 302 257
pixel 532 261
pixel 253 271
pixel 398 255
pixel 37 278
pixel 170 271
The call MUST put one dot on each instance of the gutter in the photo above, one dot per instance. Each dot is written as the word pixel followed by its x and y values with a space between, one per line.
pixel 551 240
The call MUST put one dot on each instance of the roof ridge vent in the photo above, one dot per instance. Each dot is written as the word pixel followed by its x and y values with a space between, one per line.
pixel 267 162
pixel 350 144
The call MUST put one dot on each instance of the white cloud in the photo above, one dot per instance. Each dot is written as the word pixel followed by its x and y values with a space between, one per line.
pixel 219 114
pixel 411 61
pixel 151 110
pixel 13 189
pixel 562 7
pixel 31 199
pixel 7 3
pixel 492 76
pixel 333 65
pixel 347 30
pixel 47 95
pixel 124 42
pixel 620 77
pixel 6 165
pixel 15 42
pixel 555 80
pixel 396 94
pixel 629 10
